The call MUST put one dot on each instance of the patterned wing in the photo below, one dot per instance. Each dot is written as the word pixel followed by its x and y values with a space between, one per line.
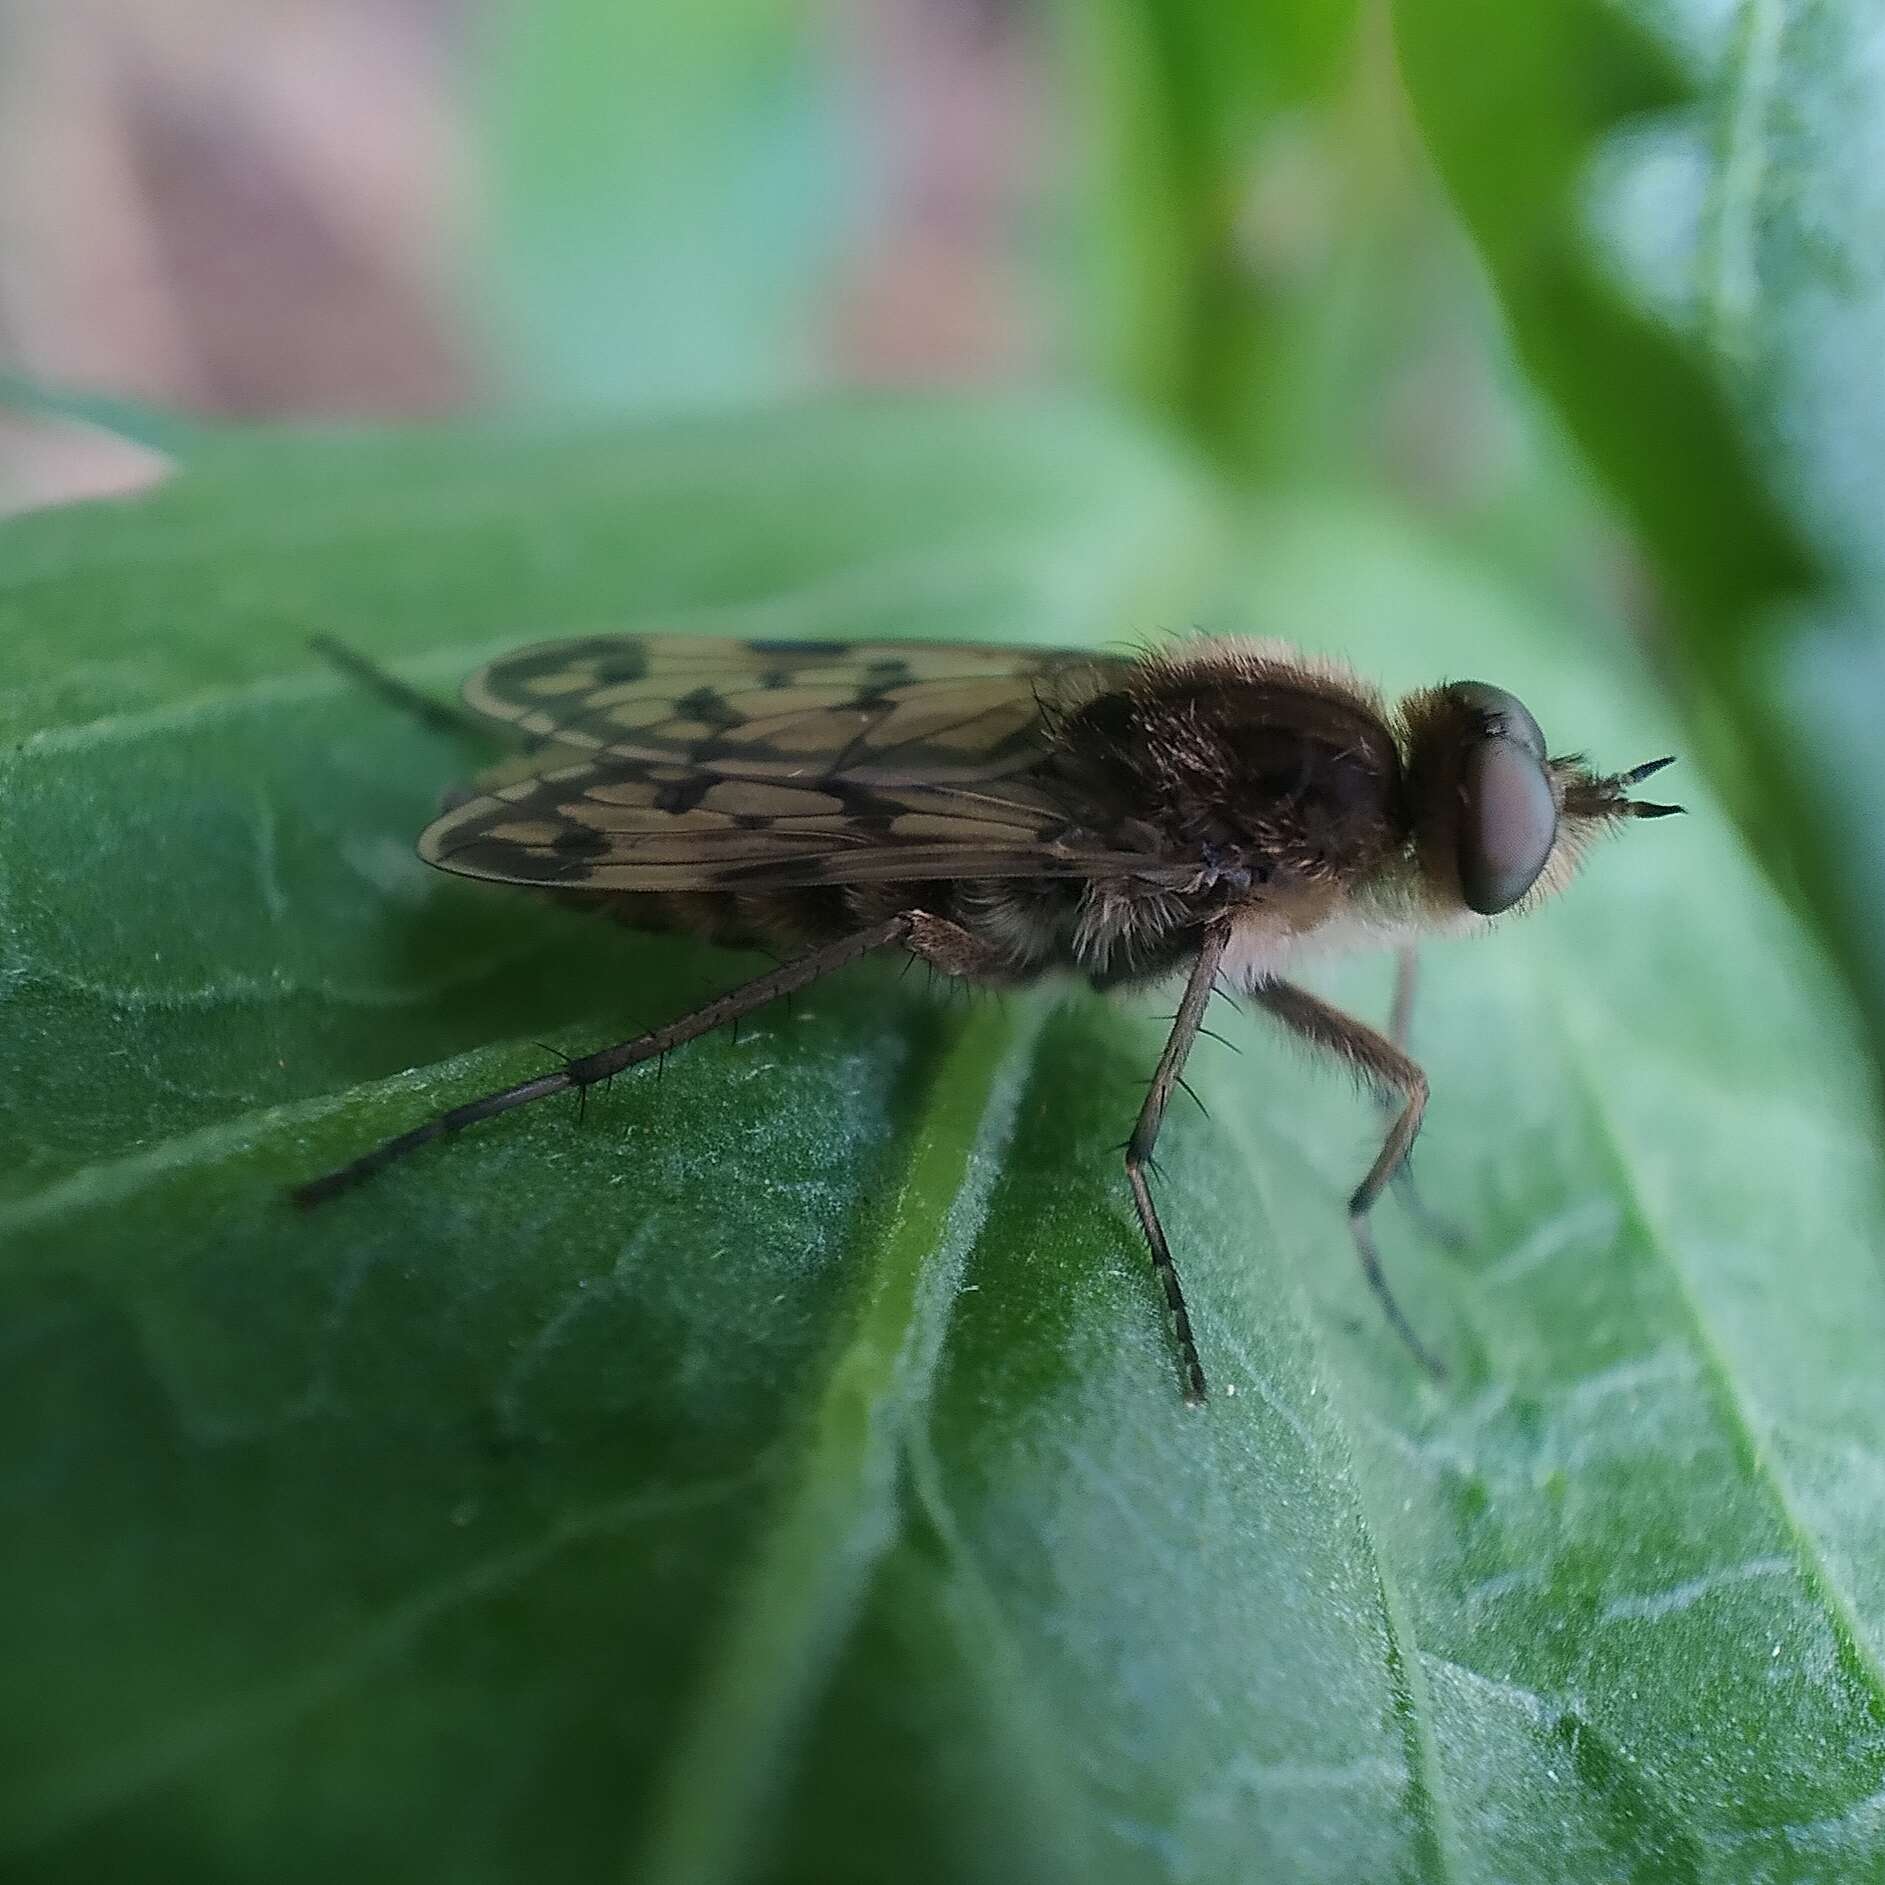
pixel 887 712
pixel 676 764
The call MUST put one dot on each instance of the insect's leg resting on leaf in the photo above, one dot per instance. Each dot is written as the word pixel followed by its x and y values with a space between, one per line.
pixel 1389 1071
pixel 586 1069
pixel 1171 1065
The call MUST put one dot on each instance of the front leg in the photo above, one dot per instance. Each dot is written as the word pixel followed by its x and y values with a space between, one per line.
pixel 1390 1072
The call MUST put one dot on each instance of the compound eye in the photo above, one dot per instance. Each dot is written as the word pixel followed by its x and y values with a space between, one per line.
pixel 1501 713
pixel 1508 820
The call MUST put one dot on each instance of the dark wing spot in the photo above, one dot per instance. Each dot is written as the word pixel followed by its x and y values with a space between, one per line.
pixel 708 706
pixel 799 647
pixel 683 794
pixel 581 841
pixel 555 659
pixel 873 824
pixel 871 808
pixel 627 663
pixel 881 677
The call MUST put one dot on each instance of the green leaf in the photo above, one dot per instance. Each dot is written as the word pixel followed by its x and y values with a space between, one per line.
pixel 780 1473
pixel 1681 208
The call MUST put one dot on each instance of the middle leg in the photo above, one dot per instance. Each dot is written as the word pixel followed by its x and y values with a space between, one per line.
pixel 1389 1071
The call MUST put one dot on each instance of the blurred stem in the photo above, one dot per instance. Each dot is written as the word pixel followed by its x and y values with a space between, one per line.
pixel 1217 327
pixel 1329 303
pixel 1128 254
pixel 1172 105
pixel 1240 171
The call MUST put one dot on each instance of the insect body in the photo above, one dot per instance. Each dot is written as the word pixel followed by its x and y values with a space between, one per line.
pixel 1220 811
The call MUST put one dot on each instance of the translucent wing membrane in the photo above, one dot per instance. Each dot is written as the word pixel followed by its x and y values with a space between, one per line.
pixel 921 712
pixel 676 764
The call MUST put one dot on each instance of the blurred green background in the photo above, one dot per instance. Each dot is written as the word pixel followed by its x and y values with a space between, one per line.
pixel 847 1529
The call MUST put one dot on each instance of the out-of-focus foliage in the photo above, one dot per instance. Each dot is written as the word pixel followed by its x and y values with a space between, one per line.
pixel 1168 110
pixel 1684 211
pixel 670 189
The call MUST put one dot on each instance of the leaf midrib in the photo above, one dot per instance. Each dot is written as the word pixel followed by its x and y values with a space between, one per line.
pixel 840 1513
